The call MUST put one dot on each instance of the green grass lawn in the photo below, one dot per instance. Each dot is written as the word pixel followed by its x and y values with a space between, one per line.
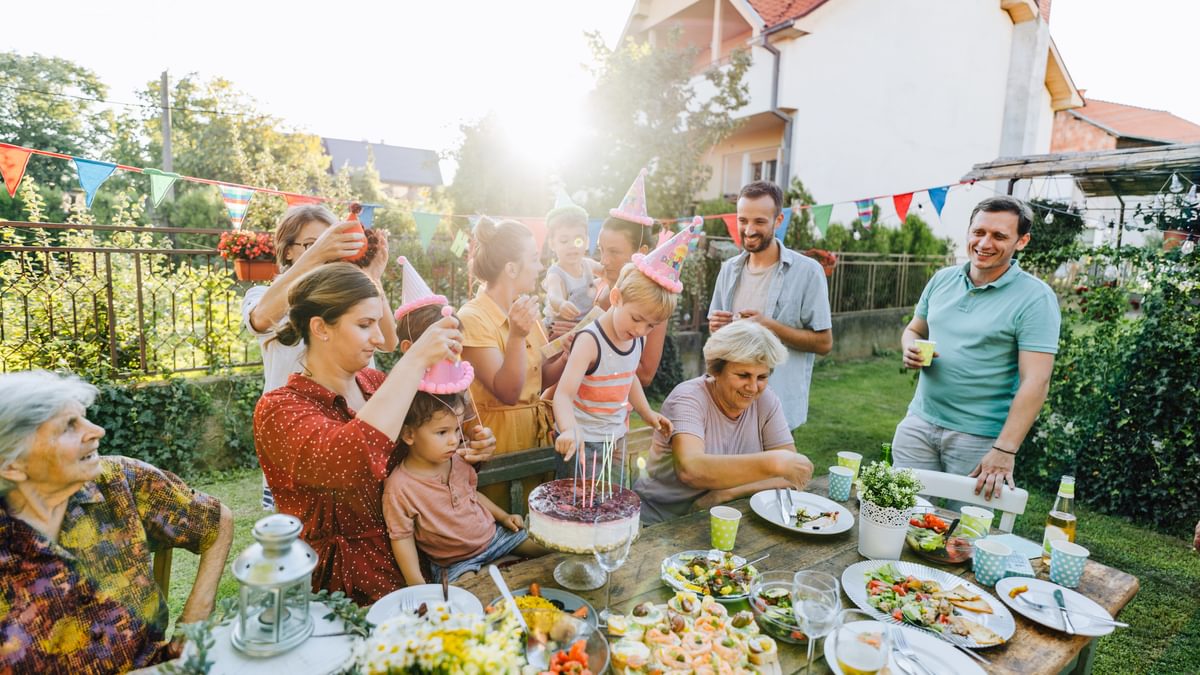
pixel 855 406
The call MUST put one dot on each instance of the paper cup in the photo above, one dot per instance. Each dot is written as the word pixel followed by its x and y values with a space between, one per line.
pixel 723 526
pixel 840 480
pixel 1066 562
pixel 927 348
pixel 850 460
pixel 976 518
pixel 991 558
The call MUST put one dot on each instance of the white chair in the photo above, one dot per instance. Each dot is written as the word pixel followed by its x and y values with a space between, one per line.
pixel 1010 503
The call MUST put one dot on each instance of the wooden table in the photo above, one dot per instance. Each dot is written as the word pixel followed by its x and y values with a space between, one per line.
pixel 1032 649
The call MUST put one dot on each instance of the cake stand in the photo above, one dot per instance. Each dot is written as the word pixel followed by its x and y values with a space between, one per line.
pixel 580 573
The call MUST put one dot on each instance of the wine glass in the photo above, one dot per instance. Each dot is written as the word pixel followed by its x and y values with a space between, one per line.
pixel 860 643
pixel 610 545
pixel 815 602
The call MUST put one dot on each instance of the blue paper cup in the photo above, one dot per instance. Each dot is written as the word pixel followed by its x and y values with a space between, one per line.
pixel 840 479
pixel 991 557
pixel 1066 562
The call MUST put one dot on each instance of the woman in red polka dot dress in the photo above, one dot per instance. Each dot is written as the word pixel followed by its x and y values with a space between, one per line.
pixel 325 439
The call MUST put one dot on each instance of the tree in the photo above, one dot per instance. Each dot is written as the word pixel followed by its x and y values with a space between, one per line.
pixel 493 177
pixel 645 112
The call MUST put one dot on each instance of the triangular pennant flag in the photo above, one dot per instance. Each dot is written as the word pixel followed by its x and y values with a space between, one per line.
pixel 864 211
pixel 901 203
pixel 160 183
pixel 731 225
pixel 12 167
pixel 594 233
pixel 92 175
pixel 459 246
pixel 426 225
pixel 538 227
pixel 300 200
pixel 781 231
pixel 474 220
pixel 938 197
pixel 820 216
pixel 367 215
pixel 237 200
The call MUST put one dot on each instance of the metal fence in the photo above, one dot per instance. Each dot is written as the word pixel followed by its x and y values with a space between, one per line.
pixel 863 281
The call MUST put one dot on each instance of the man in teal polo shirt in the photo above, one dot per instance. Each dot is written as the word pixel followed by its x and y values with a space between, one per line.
pixel 996 329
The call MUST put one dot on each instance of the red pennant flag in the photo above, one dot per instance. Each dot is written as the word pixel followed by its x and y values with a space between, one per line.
pixel 538 227
pixel 901 203
pixel 731 225
pixel 297 200
pixel 12 167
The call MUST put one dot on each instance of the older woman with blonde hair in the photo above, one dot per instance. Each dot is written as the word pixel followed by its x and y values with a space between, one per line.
pixel 730 436
pixel 77 530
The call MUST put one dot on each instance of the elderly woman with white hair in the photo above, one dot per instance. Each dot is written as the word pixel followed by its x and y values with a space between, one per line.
pixel 77 531
pixel 730 436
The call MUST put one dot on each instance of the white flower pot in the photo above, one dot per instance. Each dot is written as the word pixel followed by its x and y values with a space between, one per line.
pixel 881 531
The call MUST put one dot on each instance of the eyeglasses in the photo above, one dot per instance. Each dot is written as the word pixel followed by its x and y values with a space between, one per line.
pixel 306 245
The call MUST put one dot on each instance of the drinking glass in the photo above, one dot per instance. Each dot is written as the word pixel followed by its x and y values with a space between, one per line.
pixel 815 602
pixel 860 643
pixel 610 545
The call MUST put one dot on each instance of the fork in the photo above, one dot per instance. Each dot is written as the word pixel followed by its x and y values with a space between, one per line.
pixel 962 646
pixel 907 651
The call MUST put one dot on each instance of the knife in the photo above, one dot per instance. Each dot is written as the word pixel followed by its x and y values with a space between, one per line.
pixel 1091 617
pixel 782 511
pixel 1062 608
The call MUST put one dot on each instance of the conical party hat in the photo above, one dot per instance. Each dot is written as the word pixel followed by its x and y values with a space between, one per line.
pixel 415 292
pixel 633 207
pixel 563 206
pixel 664 263
pixel 449 376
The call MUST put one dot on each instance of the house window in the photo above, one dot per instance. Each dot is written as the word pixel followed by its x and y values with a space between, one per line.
pixel 764 170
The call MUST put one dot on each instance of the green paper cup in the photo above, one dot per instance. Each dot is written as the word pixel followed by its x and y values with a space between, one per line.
pixel 723 526
pixel 850 460
pixel 840 480
pixel 1066 562
pixel 976 518
pixel 927 347
pixel 991 558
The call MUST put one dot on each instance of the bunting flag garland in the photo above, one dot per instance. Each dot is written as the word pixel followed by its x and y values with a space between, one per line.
pixel 367 215
pixel 901 202
pixel 12 167
pixel 426 225
pixel 92 175
pixel 594 233
pixel 538 227
pixel 301 200
pixel 474 220
pixel 663 235
pixel 731 225
pixel 160 184
pixel 237 200
pixel 820 216
pixel 864 211
pixel 937 195
pixel 459 246
pixel 781 231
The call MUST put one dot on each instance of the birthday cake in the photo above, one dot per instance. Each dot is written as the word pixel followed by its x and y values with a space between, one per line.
pixel 562 517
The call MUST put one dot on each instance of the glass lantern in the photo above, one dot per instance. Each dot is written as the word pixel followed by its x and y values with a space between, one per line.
pixel 275 580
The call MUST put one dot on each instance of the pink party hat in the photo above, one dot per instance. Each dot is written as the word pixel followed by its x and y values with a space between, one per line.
pixel 663 263
pixel 416 293
pixel 633 207
pixel 449 376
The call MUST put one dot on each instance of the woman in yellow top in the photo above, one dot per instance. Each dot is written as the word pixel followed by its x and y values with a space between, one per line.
pixel 502 341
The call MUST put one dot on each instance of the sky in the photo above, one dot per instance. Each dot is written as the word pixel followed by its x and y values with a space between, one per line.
pixel 409 73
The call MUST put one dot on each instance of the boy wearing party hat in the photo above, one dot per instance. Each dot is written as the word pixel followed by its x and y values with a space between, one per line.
pixel 570 282
pixel 599 383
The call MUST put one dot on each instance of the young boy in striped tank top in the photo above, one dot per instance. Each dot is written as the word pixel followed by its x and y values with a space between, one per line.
pixel 599 384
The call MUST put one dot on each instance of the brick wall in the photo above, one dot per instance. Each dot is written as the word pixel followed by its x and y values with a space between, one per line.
pixel 1072 134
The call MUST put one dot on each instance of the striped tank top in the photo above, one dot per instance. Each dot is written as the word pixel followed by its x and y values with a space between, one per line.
pixel 602 402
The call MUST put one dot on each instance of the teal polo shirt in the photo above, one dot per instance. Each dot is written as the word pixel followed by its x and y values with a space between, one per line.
pixel 979 331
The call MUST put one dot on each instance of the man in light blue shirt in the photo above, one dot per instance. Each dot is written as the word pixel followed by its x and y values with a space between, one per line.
pixel 996 332
pixel 784 291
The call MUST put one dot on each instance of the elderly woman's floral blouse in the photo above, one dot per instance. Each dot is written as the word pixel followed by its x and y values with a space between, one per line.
pixel 88 602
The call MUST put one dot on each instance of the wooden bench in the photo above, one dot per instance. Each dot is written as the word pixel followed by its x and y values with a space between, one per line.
pixel 512 467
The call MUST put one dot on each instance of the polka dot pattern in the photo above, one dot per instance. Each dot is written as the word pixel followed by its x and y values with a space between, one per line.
pixel 988 567
pixel 723 531
pixel 1066 568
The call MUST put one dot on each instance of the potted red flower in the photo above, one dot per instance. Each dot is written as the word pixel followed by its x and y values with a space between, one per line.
pixel 252 253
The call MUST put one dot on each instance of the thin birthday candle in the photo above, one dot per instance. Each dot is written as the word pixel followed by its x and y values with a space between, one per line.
pixel 595 471
pixel 575 481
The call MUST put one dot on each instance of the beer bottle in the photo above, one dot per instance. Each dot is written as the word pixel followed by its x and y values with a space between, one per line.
pixel 885 453
pixel 1060 524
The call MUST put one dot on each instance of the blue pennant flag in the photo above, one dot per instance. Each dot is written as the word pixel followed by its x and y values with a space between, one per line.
pixel 781 231
pixel 92 175
pixel 367 215
pixel 938 197
pixel 594 233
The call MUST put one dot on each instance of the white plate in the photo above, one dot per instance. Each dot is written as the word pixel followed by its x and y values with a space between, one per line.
pixel 1042 592
pixel 854 583
pixel 570 602
pixel 767 507
pixel 389 605
pixel 676 561
pixel 934 654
